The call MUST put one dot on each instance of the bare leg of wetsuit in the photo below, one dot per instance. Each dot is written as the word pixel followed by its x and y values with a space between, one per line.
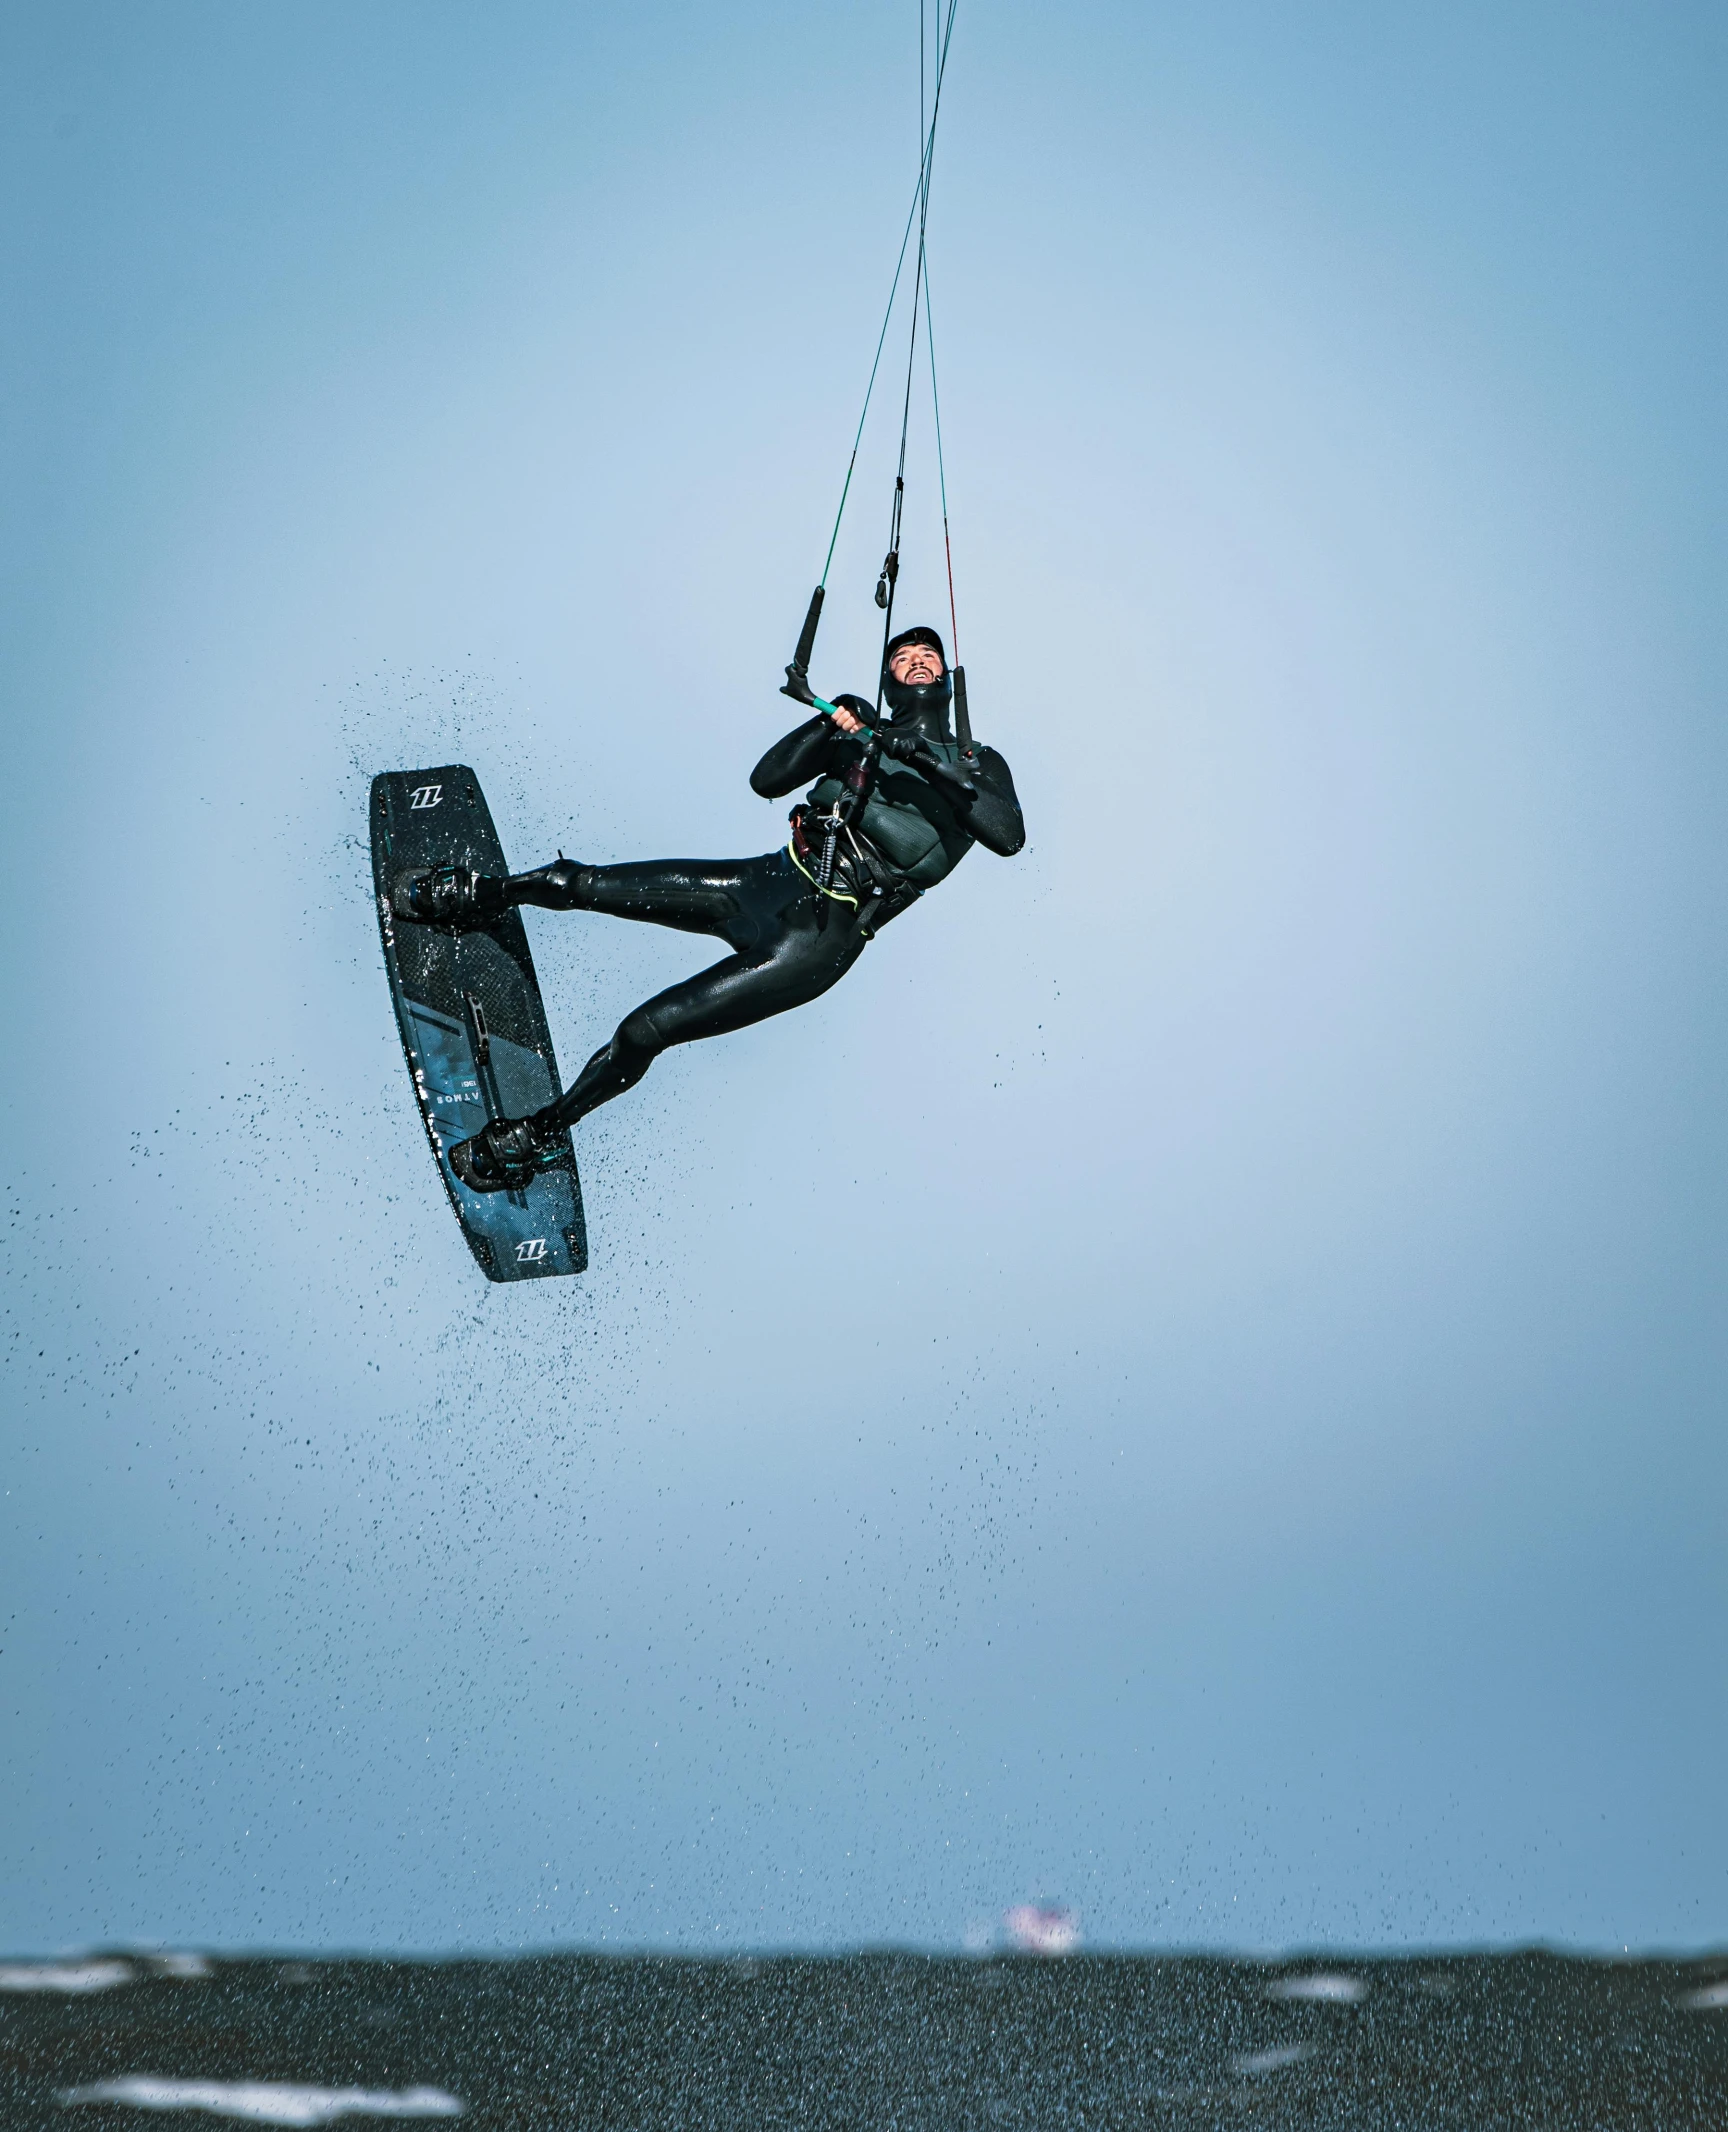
pixel 764 910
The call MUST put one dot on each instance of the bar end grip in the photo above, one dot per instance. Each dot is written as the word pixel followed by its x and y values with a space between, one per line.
pixel 962 714
pixel 807 635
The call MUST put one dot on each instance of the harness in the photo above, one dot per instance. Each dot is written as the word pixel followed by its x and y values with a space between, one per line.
pixel 798 850
pixel 882 891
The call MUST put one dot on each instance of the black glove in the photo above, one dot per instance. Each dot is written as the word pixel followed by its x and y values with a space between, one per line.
pixel 946 778
pixel 912 748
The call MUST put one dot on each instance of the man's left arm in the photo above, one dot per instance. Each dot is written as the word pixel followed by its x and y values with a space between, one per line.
pixel 979 787
pixel 994 817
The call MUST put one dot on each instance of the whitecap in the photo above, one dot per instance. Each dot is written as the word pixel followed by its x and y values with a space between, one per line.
pixel 1336 1989
pixel 187 1968
pixel 1712 1995
pixel 269 2102
pixel 64 1976
pixel 1272 2061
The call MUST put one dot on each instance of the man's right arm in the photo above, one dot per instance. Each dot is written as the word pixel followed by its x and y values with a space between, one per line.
pixel 799 759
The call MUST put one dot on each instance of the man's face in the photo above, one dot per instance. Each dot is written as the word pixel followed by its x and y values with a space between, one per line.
pixel 916 665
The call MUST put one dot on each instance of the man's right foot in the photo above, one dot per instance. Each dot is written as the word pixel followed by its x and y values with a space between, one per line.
pixel 455 896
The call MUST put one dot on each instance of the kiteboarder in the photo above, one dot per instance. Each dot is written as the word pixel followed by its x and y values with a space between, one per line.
pixel 894 806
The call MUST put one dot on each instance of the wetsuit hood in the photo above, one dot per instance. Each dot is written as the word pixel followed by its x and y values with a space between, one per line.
pixel 923 709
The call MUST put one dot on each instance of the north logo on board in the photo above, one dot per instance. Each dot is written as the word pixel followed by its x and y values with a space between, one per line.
pixel 531 1252
pixel 425 795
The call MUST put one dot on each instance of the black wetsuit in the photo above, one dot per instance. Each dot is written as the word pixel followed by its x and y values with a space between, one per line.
pixel 790 940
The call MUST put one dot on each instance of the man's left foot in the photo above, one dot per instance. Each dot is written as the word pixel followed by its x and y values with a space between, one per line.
pixel 505 1156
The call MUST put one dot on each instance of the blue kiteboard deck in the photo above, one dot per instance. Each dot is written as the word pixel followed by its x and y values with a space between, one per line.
pixel 472 1022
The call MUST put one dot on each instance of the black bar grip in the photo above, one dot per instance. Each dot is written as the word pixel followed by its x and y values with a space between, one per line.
pixel 962 716
pixel 807 635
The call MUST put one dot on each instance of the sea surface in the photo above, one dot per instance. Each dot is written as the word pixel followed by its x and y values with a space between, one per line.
pixel 878 2042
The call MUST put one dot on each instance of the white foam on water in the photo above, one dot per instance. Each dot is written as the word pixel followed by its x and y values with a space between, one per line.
pixel 1711 1995
pixel 268 2102
pixel 64 1976
pixel 1329 1985
pixel 188 1968
pixel 1272 2061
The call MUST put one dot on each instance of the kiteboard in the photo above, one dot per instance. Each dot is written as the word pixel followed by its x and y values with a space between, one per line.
pixel 472 1022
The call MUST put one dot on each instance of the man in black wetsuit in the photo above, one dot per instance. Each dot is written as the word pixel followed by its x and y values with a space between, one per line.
pixel 889 814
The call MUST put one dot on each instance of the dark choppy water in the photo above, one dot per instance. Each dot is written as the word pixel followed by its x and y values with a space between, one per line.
pixel 1479 2042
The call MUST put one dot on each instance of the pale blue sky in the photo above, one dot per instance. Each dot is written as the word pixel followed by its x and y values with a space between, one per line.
pixel 1245 1456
